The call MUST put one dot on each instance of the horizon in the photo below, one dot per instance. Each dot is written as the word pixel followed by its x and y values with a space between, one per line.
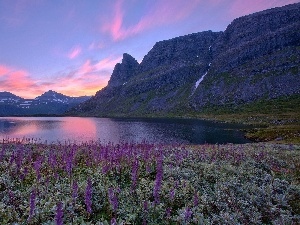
pixel 72 49
pixel 44 93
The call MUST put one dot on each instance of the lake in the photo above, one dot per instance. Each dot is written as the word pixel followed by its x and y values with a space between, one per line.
pixel 78 129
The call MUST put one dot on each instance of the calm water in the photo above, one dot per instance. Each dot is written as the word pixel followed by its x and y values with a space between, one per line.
pixel 54 129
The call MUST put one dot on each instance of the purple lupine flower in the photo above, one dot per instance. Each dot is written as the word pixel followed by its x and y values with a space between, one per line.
pixel 2 153
pixel 74 191
pixel 19 158
pixel 168 212
pixel 11 197
pixel 134 173
pixel 88 196
pixel 24 174
pixel 187 214
pixel 158 179
pixel 196 199
pixel 113 221
pixel 32 203
pixel 113 199
pixel 52 160
pixel 69 157
pixel 172 194
pixel 105 169
pixel 37 166
pixel 145 206
pixel 59 214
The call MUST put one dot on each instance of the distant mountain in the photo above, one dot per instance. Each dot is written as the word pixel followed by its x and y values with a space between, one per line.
pixel 257 57
pixel 48 103
pixel 54 97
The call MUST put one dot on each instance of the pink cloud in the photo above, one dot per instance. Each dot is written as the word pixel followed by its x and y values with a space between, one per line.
pixel 74 52
pixel 3 70
pixel 17 81
pixel 104 64
pixel 87 79
pixel 162 13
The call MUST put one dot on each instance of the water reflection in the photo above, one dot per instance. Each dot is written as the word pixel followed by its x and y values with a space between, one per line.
pixel 55 129
pixel 78 128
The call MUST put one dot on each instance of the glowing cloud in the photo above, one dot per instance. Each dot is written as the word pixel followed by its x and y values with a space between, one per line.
pixel 163 12
pixel 3 70
pixel 16 81
pixel 74 52
pixel 87 79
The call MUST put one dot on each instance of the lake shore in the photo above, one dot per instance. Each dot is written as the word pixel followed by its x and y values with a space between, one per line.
pixel 145 183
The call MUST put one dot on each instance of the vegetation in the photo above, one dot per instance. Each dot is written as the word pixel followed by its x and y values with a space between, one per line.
pixel 97 183
pixel 275 119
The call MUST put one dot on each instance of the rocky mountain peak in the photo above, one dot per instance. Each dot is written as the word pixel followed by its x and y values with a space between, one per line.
pixel 256 57
pixel 123 71
pixel 180 51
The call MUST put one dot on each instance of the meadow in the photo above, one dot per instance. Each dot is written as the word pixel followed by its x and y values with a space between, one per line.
pixel 144 183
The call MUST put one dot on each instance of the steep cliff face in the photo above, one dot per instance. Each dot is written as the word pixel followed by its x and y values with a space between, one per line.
pixel 123 71
pixel 256 57
pixel 162 82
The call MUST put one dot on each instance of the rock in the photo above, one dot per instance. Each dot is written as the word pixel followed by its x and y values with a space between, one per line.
pixel 256 57
pixel 123 71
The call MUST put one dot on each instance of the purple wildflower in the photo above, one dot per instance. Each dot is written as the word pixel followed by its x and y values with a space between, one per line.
pixel 168 212
pixel 113 221
pixel 172 194
pixel 187 214
pixel 105 169
pixel 24 174
pixel 113 199
pixel 196 199
pixel 37 166
pixel 74 191
pixel 88 196
pixel 158 179
pixel 59 214
pixel 32 203
pixel 52 160
pixel 19 158
pixel 69 161
pixel 146 206
pixel 134 173
pixel 11 197
pixel 2 153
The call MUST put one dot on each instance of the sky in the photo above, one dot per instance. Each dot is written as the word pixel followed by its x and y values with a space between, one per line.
pixel 72 46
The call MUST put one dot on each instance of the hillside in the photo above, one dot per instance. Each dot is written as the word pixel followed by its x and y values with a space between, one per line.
pixel 210 74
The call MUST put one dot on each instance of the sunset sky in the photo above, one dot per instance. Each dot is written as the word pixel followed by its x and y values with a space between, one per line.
pixel 71 46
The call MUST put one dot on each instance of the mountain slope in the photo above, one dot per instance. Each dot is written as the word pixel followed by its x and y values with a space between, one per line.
pixel 48 103
pixel 257 57
pixel 162 82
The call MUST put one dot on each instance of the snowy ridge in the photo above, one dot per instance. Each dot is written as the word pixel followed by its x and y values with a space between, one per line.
pixel 200 80
pixel 49 97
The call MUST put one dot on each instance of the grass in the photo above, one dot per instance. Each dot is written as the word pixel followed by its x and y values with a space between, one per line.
pixel 276 120
pixel 143 183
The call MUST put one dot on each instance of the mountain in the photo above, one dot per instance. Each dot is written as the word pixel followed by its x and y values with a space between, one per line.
pixel 161 82
pixel 256 58
pixel 48 103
